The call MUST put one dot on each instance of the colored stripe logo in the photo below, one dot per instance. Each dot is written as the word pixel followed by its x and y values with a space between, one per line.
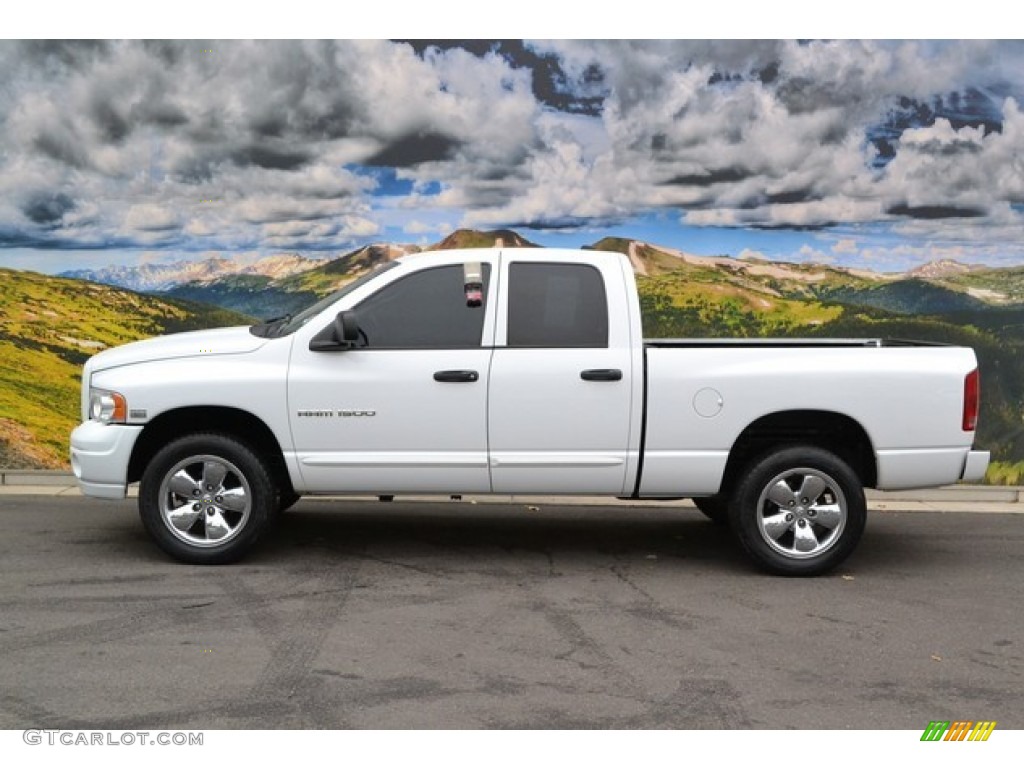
pixel 958 730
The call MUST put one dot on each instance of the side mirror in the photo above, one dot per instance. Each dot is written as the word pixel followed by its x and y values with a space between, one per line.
pixel 342 334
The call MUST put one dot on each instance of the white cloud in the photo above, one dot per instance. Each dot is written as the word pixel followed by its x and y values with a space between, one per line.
pixel 942 166
pixel 416 227
pixel 109 141
pixel 813 255
pixel 844 246
pixel 149 217
pixel 787 149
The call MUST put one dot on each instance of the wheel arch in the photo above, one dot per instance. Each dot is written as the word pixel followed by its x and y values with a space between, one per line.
pixel 831 431
pixel 234 422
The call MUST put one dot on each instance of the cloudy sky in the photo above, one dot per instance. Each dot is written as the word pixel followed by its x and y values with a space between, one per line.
pixel 876 154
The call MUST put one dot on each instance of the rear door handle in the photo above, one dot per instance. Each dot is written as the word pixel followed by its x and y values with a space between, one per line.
pixel 469 376
pixel 601 374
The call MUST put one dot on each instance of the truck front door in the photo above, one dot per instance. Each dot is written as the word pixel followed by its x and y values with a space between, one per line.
pixel 404 411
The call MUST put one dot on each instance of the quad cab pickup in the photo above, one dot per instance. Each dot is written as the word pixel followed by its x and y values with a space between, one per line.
pixel 512 371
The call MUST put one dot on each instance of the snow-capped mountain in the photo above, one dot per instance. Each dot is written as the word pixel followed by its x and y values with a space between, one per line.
pixel 940 268
pixel 164 276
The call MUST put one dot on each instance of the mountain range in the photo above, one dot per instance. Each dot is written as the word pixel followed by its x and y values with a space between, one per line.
pixel 282 283
pixel 155 277
pixel 161 277
pixel 264 295
pixel 48 326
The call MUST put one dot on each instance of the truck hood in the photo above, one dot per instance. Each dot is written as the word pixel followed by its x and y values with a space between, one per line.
pixel 219 341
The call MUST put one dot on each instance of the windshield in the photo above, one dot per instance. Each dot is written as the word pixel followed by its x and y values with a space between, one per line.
pixel 283 326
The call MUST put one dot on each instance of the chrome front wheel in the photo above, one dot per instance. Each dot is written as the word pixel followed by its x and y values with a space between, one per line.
pixel 206 498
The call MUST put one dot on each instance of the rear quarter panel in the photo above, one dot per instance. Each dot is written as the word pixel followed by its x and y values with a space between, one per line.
pixel 909 401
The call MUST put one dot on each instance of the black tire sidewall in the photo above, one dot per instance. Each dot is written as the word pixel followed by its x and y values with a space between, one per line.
pixel 714 508
pixel 743 511
pixel 264 496
pixel 286 500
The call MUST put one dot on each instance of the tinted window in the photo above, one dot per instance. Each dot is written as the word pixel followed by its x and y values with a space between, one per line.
pixel 556 305
pixel 427 309
pixel 289 324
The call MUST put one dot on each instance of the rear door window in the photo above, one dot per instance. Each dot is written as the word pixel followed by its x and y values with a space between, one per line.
pixel 556 305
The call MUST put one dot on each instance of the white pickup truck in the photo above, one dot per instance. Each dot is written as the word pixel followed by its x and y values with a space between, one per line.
pixel 518 371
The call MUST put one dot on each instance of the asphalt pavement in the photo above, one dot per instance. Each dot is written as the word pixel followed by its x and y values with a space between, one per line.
pixel 417 614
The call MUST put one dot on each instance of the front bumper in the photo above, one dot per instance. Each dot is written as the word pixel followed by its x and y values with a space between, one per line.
pixel 975 466
pixel 99 458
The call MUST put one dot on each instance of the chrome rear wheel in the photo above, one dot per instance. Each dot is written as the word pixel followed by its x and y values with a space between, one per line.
pixel 799 511
pixel 802 513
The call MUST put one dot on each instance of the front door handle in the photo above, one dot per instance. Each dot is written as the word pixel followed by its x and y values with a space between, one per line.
pixel 601 374
pixel 469 376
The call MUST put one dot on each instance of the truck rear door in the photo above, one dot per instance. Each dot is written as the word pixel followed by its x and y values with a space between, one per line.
pixel 561 391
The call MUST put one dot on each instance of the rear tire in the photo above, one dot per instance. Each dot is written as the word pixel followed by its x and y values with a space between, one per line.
pixel 799 511
pixel 286 500
pixel 206 498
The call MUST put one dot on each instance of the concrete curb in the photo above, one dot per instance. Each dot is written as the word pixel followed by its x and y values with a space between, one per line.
pixel 35 477
pixel 538 503
pixel 957 498
pixel 1004 494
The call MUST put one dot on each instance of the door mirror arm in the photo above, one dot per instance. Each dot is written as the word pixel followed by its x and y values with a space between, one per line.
pixel 340 335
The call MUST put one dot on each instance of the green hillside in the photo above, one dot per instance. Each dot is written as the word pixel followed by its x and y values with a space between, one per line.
pixel 474 238
pixel 255 296
pixel 334 274
pixel 49 327
pixel 904 297
pixel 998 286
pixel 655 260
pixel 696 303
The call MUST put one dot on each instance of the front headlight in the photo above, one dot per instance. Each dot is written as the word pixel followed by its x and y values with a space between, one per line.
pixel 107 407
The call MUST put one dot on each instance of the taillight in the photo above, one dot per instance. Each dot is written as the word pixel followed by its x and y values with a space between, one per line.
pixel 972 393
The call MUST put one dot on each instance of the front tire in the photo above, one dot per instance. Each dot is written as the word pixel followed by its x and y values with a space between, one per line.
pixel 714 508
pixel 206 498
pixel 799 511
